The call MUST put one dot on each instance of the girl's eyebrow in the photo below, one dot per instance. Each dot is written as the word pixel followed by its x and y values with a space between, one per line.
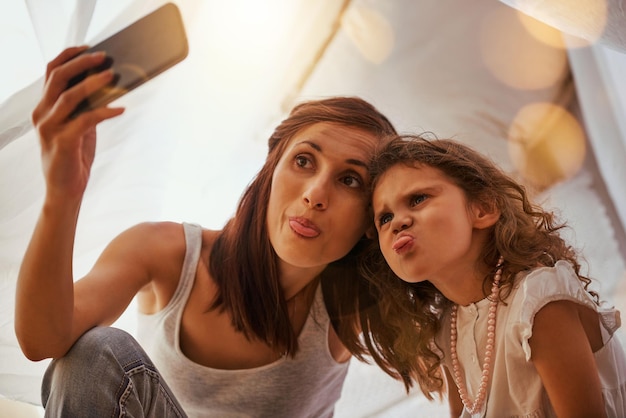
pixel 352 161
pixel 378 208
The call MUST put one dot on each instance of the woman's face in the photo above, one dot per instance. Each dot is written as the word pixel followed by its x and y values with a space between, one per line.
pixel 318 200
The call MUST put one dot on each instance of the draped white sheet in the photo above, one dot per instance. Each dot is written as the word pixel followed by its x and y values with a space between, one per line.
pixel 599 71
pixel 191 139
pixel 597 22
pixel 595 33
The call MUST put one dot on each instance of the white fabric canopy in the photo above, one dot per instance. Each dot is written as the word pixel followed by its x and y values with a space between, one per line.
pixel 192 138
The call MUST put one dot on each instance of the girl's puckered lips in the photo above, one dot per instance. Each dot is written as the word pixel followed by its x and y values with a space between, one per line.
pixel 303 226
pixel 403 243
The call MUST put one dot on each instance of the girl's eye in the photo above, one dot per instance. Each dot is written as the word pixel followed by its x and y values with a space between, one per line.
pixel 417 199
pixel 384 218
pixel 352 181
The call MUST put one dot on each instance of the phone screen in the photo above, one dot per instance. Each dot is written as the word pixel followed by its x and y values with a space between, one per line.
pixel 137 53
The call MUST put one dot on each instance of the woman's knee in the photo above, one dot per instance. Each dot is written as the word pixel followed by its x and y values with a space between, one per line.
pixel 98 356
pixel 103 336
pixel 101 344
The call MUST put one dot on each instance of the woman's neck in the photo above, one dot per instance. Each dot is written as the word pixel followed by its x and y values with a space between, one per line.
pixel 294 279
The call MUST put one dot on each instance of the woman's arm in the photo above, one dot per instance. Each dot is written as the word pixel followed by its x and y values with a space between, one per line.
pixel 562 354
pixel 52 312
pixel 47 319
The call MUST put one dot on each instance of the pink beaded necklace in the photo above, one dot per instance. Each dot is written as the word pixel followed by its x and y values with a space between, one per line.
pixel 477 405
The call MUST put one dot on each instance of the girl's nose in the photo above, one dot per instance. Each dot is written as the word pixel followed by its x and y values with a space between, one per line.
pixel 401 221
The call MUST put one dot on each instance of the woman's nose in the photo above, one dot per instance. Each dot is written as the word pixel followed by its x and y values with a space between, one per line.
pixel 316 194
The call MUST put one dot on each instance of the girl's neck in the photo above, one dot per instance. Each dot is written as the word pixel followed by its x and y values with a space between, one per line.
pixel 462 288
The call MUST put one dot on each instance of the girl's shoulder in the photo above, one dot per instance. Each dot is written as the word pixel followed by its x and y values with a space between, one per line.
pixel 537 287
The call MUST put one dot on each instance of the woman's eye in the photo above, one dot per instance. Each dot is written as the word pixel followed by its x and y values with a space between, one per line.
pixel 384 218
pixel 352 181
pixel 417 199
pixel 302 161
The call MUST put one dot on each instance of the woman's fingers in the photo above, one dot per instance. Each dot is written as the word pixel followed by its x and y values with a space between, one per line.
pixel 58 101
pixel 89 120
pixel 59 72
pixel 59 76
pixel 57 114
pixel 68 144
pixel 63 57
pixel 70 98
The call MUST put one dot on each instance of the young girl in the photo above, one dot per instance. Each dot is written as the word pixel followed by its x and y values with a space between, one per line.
pixel 496 294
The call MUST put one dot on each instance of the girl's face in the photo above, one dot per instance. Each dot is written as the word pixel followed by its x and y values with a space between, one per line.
pixel 426 228
pixel 318 201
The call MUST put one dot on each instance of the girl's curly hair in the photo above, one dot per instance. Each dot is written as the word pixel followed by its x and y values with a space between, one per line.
pixel 525 235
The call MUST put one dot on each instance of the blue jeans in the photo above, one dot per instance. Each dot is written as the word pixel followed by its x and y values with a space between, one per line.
pixel 106 374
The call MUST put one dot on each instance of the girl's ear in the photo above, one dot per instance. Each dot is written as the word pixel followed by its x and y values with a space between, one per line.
pixel 485 216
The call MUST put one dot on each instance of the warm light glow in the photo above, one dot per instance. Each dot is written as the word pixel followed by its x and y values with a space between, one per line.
pixel 515 57
pixel 546 144
pixel 542 32
pixel 370 31
pixel 239 33
pixel 585 19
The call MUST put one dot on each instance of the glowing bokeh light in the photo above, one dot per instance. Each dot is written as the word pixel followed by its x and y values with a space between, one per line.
pixel 542 32
pixel 585 20
pixel 238 34
pixel 546 144
pixel 511 54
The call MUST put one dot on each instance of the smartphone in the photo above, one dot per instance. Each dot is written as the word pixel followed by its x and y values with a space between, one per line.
pixel 137 53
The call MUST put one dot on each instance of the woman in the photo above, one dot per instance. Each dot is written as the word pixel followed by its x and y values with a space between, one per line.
pixel 234 320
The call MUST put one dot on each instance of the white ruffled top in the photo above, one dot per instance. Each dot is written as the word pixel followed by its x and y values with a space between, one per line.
pixel 515 387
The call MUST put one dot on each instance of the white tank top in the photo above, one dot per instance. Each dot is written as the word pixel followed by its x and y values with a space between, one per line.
pixel 308 385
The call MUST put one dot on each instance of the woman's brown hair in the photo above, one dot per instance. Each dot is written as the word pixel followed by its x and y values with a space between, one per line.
pixel 243 262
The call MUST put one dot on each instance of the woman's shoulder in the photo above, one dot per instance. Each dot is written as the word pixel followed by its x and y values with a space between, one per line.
pixel 168 234
pixel 161 229
pixel 209 236
pixel 176 238
pixel 164 246
pixel 172 238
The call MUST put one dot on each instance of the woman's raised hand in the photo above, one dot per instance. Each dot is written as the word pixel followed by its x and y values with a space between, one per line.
pixel 68 143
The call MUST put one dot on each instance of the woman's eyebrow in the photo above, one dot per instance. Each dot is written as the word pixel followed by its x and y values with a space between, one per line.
pixel 311 144
pixel 352 161
pixel 356 162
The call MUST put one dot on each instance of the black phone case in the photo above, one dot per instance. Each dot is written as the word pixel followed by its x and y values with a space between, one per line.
pixel 137 53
